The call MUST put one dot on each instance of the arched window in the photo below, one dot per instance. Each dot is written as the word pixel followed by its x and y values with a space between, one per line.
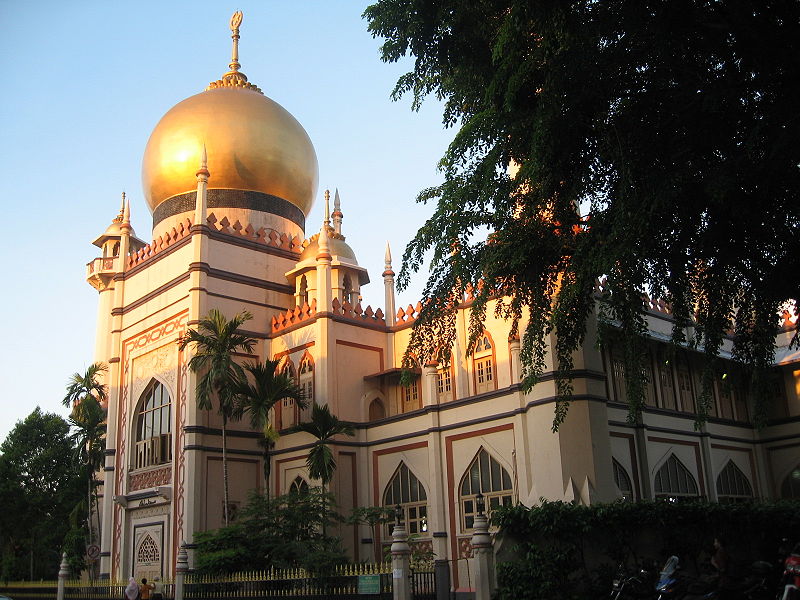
pixel 298 486
pixel 732 485
pixel 347 291
pixel 153 427
pixel 483 362
pixel 685 387
pixel 302 291
pixel 411 393
pixel 288 416
pixel 444 383
pixel 674 481
pixel 406 490
pixel 623 481
pixel 724 398
pixel 667 385
pixel 306 383
pixel 791 485
pixel 487 476
pixel 148 553
pixel 376 410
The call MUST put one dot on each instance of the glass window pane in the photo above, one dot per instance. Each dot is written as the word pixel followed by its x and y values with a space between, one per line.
pixel 483 457
pixel 496 478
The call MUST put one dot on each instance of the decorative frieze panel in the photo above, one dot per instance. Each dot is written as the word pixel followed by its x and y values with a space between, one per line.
pixel 151 478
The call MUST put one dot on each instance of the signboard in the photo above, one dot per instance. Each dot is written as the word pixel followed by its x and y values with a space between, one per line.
pixel 93 552
pixel 369 584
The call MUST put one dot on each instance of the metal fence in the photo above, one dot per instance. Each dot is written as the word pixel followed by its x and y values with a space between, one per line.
pixel 348 582
pixel 423 585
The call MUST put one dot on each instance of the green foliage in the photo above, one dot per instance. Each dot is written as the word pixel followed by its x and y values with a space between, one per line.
pixel 281 532
pixel 256 399
pixel 670 125
pixel 86 385
pixel 215 341
pixel 323 425
pixel 569 551
pixel 40 484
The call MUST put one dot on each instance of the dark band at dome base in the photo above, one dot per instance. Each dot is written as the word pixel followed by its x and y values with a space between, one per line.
pixel 231 199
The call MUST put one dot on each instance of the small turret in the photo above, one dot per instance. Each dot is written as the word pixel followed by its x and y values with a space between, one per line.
pixel 116 242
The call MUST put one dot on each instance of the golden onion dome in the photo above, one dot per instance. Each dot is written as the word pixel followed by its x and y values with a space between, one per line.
pixel 337 247
pixel 253 144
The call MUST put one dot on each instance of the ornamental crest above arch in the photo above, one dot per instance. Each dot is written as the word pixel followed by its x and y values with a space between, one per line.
pixel 161 364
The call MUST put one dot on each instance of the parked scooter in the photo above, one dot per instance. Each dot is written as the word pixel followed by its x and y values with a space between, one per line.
pixel 790 585
pixel 671 583
pixel 633 586
pixel 756 585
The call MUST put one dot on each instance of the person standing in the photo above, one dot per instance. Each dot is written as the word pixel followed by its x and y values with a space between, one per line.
pixel 145 588
pixel 132 591
pixel 158 589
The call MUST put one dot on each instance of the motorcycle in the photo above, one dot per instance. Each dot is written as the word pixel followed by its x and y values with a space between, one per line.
pixel 790 585
pixel 632 586
pixel 671 583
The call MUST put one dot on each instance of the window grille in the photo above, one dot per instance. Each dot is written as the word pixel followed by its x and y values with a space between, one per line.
pixel 407 491
pixel 623 481
pixel 732 484
pixel 791 485
pixel 154 427
pixel 674 481
pixel 487 476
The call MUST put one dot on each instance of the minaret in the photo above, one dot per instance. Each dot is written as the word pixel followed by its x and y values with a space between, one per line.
pixel 388 287
pixel 201 202
pixel 337 213
pixel 324 365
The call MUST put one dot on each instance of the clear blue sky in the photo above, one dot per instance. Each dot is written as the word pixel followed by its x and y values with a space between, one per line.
pixel 84 83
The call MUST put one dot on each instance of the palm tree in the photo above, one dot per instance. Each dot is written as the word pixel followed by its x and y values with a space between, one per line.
pixel 86 395
pixel 216 340
pixel 82 386
pixel 323 426
pixel 257 399
pixel 88 421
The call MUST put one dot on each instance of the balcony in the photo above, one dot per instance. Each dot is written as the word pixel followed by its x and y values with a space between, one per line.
pixel 100 271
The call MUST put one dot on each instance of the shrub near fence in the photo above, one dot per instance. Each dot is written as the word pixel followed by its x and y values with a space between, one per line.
pixel 560 550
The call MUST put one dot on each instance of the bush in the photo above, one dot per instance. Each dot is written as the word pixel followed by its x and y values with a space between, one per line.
pixel 568 551
pixel 281 532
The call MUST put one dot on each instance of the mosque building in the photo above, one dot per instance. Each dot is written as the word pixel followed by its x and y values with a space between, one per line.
pixel 230 177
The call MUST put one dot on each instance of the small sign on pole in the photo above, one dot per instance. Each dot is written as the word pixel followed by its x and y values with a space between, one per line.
pixel 93 552
pixel 369 584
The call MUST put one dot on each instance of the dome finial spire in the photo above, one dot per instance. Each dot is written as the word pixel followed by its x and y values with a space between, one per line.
pixel 327 220
pixel 236 20
pixel 234 77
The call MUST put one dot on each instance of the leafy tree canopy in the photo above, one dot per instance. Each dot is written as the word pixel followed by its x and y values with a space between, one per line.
pixel 657 145
pixel 282 532
pixel 40 484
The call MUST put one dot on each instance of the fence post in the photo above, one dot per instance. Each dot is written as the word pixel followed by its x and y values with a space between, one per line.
pixel 441 570
pixel 401 554
pixel 482 553
pixel 180 571
pixel 63 573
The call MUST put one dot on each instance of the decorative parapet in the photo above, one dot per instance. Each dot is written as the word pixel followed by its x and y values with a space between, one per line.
pixel 409 314
pixel 656 305
pixel 268 237
pixel 356 313
pixel 161 243
pixel 293 316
